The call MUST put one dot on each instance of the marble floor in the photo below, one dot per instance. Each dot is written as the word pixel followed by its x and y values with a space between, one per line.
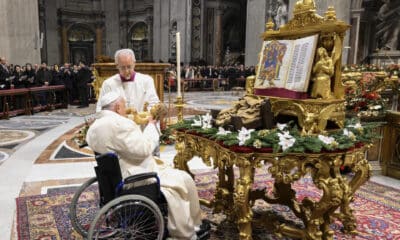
pixel 35 152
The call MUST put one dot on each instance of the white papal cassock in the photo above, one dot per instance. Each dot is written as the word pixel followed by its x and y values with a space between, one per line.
pixel 114 133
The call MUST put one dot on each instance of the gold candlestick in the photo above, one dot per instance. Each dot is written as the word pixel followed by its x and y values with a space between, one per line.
pixel 179 104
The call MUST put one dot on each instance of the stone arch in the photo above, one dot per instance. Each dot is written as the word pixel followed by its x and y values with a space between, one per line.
pixel 139 40
pixel 233 36
pixel 81 42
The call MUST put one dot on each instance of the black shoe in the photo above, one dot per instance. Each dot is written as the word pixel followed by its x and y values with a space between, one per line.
pixel 204 232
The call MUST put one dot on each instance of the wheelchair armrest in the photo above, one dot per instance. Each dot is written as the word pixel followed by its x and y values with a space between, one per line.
pixel 140 177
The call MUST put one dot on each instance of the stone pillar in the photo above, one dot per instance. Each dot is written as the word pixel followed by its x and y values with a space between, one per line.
pixel 20 37
pixel 156 33
pixel 351 52
pixel 99 39
pixel 218 35
pixel 149 21
pixel 255 26
pixel 112 28
pixel 354 36
pixel 64 43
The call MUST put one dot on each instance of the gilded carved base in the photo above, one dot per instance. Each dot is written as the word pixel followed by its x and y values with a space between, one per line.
pixel 337 191
pixel 312 114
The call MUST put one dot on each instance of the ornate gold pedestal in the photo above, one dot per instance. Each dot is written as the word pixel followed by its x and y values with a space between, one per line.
pixel 337 190
pixel 312 114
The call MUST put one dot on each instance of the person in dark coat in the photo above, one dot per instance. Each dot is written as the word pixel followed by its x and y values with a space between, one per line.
pixel 4 74
pixel 83 78
pixel 43 75
pixel 68 79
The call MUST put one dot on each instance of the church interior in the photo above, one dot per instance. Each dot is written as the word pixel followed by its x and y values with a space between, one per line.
pixel 283 112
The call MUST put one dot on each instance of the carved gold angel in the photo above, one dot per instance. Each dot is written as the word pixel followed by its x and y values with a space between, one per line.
pixel 323 70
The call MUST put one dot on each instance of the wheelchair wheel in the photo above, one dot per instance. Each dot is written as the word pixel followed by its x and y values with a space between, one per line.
pixel 128 217
pixel 84 206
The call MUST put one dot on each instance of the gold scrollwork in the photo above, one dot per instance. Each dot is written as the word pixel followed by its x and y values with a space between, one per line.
pixel 316 214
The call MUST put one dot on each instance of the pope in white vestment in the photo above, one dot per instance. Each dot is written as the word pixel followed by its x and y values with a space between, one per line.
pixel 112 132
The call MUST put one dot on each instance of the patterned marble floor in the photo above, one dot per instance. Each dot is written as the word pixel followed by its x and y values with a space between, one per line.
pixel 36 152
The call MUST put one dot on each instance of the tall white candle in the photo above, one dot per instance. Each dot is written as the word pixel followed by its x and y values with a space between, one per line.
pixel 178 62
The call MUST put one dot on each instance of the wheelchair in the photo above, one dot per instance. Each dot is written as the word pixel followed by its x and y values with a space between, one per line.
pixel 131 208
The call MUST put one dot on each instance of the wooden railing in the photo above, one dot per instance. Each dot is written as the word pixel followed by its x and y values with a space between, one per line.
pixel 30 100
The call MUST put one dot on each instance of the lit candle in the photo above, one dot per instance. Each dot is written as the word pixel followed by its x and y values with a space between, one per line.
pixel 178 62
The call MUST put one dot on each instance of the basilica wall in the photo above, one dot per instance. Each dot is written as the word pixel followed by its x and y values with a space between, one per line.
pixel 20 37
pixel 218 32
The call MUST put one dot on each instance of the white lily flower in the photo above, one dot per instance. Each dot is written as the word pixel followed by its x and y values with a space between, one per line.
pixel 206 121
pixel 356 126
pixel 244 135
pixel 325 139
pixel 197 123
pixel 281 126
pixel 348 133
pixel 222 131
pixel 285 135
pixel 286 143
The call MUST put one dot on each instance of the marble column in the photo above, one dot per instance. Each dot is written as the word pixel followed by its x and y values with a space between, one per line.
pixel 354 36
pixel 255 26
pixel 355 20
pixel 149 22
pixel 218 35
pixel 99 39
pixel 20 37
pixel 64 42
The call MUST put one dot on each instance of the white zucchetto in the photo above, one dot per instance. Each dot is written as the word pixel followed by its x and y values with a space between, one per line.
pixel 108 98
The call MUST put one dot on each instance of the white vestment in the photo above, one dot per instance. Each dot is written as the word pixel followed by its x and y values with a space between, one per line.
pixel 114 133
pixel 136 92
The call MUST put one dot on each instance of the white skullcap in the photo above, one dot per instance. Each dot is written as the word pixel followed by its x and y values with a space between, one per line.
pixel 108 98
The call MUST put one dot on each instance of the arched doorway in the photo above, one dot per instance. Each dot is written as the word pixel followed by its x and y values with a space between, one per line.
pixel 81 40
pixel 139 41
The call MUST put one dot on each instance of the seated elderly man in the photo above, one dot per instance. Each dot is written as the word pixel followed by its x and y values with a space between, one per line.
pixel 113 132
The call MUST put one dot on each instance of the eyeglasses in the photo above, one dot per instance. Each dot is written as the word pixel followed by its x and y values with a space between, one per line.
pixel 123 68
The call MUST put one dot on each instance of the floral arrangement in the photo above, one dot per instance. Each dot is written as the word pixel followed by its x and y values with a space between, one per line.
pixel 284 138
pixel 365 99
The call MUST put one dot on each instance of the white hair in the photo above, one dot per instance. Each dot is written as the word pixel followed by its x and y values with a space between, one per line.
pixel 124 52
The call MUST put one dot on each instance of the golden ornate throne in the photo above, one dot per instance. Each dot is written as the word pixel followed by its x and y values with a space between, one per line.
pixel 157 71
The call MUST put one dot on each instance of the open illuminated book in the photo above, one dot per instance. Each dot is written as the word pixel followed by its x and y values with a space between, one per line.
pixel 286 64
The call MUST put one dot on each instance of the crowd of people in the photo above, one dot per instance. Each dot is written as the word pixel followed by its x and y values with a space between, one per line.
pixel 227 74
pixel 75 78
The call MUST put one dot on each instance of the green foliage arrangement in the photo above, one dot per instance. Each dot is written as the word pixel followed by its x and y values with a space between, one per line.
pixel 285 138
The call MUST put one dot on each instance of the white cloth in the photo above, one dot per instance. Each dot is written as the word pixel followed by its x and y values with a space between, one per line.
pixel 136 92
pixel 114 133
